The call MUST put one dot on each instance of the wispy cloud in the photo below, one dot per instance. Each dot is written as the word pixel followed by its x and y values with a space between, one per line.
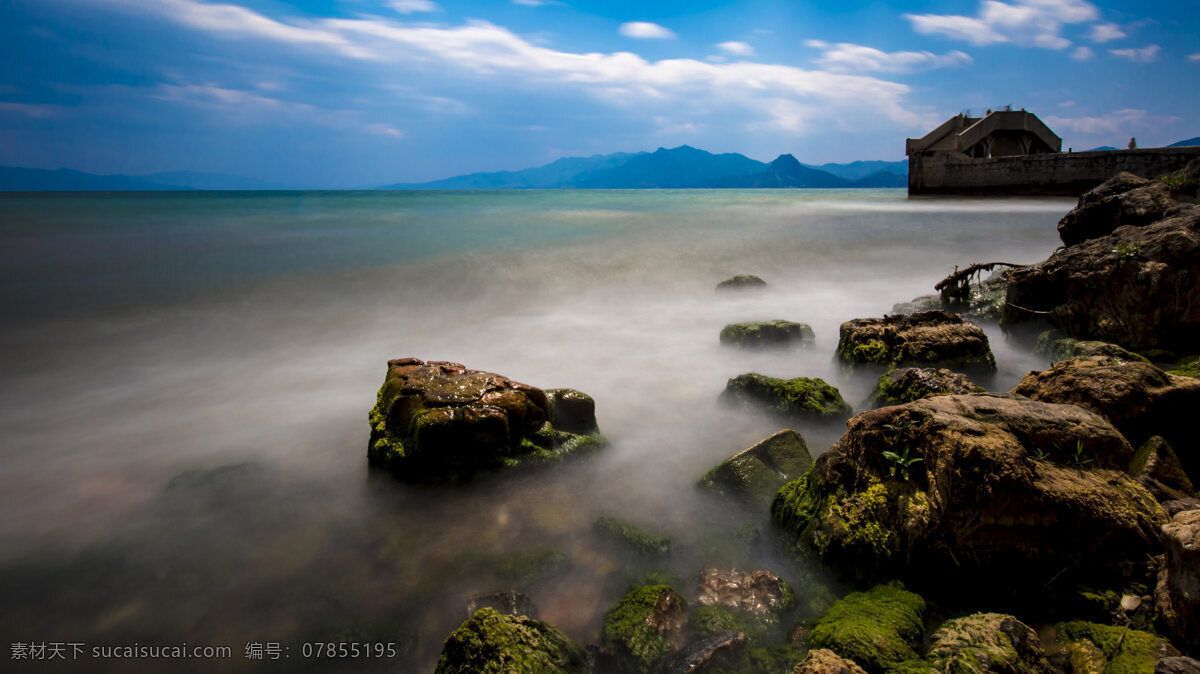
pixel 736 48
pixel 644 30
pixel 1105 32
pixel 1194 58
pixel 384 130
pixel 1082 54
pixel 1027 23
pixel 1147 54
pixel 413 6
pixel 846 57
pixel 33 110
pixel 1119 122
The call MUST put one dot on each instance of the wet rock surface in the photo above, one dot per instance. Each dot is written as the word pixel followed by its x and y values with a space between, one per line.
pixel 987 642
pixel 766 334
pixel 756 594
pixel 996 491
pixel 757 472
pixel 718 653
pixel 1178 593
pixel 1124 199
pixel 645 628
pixel 934 338
pixel 1157 468
pixel 906 384
pixel 442 422
pixel 801 398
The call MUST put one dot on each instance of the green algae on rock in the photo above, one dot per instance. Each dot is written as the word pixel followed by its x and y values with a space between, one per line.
pixel 877 629
pixel 756 473
pixel 493 642
pixel 633 538
pixel 1008 489
pixel 766 334
pixel 1121 650
pixel 645 627
pixel 933 338
pixel 801 398
pixel 986 642
pixel 441 422
pixel 906 384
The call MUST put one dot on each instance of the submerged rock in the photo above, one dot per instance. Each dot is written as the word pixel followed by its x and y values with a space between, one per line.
pixel 632 538
pixel 1138 398
pixel 802 398
pixel 1135 287
pixel 759 597
pixel 935 338
pixel 877 629
pixel 987 642
pixel 906 384
pixel 756 473
pixel 741 282
pixel 572 411
pixel 439 421
pixel 825 661
pixel 1157 468
pixel 492 642
pixel 995 491
pixel 1124 199
pixel 1178 593
pixel 717 653
pixel 646 627
pixel 766 334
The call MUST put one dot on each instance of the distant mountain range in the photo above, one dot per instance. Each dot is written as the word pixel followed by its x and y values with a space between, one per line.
pixel 680 167
pixel 1186 143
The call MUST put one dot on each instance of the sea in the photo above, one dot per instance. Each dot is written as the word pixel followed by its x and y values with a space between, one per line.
pixel 185 381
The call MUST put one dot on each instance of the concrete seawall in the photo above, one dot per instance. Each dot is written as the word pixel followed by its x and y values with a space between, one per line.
pixel 1049 174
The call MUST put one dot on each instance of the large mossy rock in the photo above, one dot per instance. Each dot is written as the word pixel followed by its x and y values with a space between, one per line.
pixel 493 642
pixel 1112 650
pixel 441 422
pixel 986 642
pixel 645 628
pixel 1007 493
pixel 906 384
pixel 825 661
pixel 1138 398
pixel 766 334
pixel 1136 287
pixel 934 338
pixel 1178 591
pixel 877 629
pixel 757 472
pixel 1124 199
pixel 801 398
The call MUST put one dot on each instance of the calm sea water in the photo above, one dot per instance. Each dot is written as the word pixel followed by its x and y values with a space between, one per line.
pixel 186 379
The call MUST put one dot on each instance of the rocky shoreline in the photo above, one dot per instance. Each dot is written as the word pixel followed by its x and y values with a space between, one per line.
pixel 1050 528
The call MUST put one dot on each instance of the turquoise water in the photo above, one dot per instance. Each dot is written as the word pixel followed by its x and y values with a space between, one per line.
pixel 186 380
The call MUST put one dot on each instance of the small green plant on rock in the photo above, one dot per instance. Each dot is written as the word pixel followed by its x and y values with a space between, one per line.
pixel 1077 456
pixel 901 463
pixel 1128 251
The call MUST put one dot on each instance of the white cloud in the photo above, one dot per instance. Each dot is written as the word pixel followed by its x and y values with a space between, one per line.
pixel 1194 58
pixel 845 57
pixel 736 48
pixel 1082 54
pixel 1147 54
pixel 1119 122
pixel 32 110
pixel 644 30
pixel 1105 32
pixel 384 130
pixel 1027 23
pixel 413 6
pixel 532 3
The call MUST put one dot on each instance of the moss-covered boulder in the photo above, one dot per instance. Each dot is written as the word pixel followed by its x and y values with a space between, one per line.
pixel 802 398
pixel 1157 468
pixel 441 422
pixel 1057 346
pixel 572 411
pixel 906 384
pixel 645 628
pixel 877 629
pixel 1121 650
pixel 986 642
pixel 709 621
pixel 928 338
pixel 492 642
pixel 825 661
pixel 757 472
pixel 741 282
pixel 631 538
pixel 988 489
pixel 1138 398
pixel 758 598
pixel 766 334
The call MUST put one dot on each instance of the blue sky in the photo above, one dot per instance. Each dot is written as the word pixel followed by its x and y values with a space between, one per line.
pixel 342 93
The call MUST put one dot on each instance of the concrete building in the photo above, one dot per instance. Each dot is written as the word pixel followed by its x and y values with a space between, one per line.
pixel 1014 152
